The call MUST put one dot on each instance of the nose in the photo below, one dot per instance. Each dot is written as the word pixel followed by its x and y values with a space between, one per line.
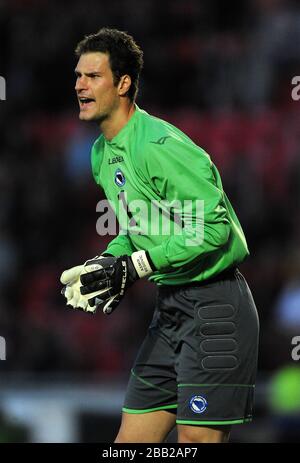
pixel 81 83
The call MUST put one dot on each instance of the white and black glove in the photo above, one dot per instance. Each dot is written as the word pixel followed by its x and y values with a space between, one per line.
pixel 109 278
pixel 71 280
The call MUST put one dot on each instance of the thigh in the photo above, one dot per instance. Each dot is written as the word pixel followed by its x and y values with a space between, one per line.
pixel 149 411
pixel 152 384
pixel 218 355
pixel 146 427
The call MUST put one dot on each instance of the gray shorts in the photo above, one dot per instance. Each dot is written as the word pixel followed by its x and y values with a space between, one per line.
pixel 199 358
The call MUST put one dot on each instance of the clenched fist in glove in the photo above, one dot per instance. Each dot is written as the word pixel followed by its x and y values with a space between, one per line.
pixel 111 276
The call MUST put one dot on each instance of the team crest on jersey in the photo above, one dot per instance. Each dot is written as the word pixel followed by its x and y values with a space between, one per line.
pixel 119 178
pixel 198 404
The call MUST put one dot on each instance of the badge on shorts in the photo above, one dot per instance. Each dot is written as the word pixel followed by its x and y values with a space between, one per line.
pixel 198 404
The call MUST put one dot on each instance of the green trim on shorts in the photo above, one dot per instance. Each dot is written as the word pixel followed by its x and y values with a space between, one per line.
pixel 211 423
pixel 133 411
pixel 150 384
pixel 217 384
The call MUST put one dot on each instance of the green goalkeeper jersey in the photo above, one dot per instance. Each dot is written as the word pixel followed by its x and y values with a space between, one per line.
pixel 169 200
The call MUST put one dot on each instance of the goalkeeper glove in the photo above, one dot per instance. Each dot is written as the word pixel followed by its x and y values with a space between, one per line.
pixel 113 276
pixel 71 279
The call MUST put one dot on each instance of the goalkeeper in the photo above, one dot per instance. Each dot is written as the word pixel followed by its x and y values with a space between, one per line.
pixel 197 365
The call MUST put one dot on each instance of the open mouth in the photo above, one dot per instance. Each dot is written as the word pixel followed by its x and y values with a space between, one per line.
pixel 85 102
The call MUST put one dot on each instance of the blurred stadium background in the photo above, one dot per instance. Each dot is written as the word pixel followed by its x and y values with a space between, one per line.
pixel 219 70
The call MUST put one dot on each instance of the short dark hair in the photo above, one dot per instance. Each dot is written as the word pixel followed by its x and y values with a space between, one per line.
pixel 125 56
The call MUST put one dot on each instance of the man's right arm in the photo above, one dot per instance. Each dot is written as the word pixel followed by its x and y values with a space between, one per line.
pixel 119 246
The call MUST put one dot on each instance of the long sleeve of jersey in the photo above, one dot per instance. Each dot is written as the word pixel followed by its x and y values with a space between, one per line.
pixel 178 173
pixel 120 245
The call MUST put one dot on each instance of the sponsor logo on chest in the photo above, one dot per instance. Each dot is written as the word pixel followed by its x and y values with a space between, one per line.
pixel 115 160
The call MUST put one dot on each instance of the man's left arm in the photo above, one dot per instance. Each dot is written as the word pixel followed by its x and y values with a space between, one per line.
pixel 184 176
pixel 187 179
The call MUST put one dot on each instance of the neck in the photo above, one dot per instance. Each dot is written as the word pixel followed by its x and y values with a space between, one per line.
pixel 111 126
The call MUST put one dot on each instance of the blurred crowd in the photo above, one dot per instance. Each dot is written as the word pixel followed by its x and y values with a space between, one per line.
pixel 221 72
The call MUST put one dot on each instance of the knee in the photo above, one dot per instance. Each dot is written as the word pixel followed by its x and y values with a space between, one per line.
pixel 195 434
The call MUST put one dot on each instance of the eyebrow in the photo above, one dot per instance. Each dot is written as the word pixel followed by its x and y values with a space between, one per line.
pixel 88 74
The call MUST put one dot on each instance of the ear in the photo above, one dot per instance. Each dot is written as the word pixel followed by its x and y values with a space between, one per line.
pixel 124 84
